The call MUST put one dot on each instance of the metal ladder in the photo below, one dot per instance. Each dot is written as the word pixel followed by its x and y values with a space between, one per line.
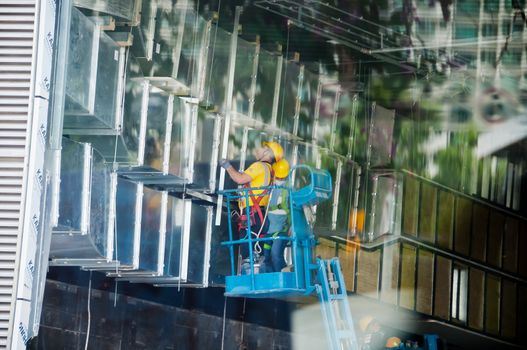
pixel 331 291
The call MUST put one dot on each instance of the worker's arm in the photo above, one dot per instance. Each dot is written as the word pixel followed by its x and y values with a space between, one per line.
pixel 236 176
pixel 239 178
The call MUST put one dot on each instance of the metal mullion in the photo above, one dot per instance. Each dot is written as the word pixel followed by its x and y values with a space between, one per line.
pixel 276 95
pixel 469 255
pixel 516 199
pixel 298 100
pixel 500 304
pixel 370 127
pixel 502 240
pixel 356 189
pixel 176 52
pixel 486 254
pixel 434 276
pixel 398 294
pixel 202 64
pixel 458 292
pixel 485 301
pixel 243 148
pixel 254 76
pixel 468 296
pixel 334 120
pixel 336 196
pixel 509 176
pixel 517 330
pixel 451 292
pixel 351 138
pixel 193 142
pixel 215 152
pixel 119 106
pixel 418 208
pixel 208 247
pixel 316 114
pixel 518 252
pixel 416 276
pixel 379 277
pixel 513 185
pixel 375 180
pixel 454 221
pixel 168 134
pixel 162 233
pixel 437 202
pixel 405 185
pixel 355 270
pixel 142 126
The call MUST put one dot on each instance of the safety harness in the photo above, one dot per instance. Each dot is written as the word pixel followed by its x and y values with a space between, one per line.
pixel 256 199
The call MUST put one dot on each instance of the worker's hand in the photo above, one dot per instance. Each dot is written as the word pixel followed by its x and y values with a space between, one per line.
pixel 225 164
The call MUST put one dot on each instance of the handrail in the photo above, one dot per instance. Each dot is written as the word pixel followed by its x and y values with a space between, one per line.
pixel 467 196
pixel 246 189
pixel 263 239
pixel 434 249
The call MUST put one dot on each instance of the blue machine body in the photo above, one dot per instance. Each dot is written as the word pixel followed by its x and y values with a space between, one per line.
pixel 307 187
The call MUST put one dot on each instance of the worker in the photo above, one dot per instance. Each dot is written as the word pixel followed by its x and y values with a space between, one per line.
pixel 278 215
pixel 258 174
pixel 373 336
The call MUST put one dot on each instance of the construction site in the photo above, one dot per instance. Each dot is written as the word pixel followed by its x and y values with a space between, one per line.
pixel 263 174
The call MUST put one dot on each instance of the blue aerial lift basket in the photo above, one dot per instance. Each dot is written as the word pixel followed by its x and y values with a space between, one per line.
pixel 318 188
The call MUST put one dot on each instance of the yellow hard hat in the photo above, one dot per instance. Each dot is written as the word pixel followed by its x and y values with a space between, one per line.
pixel 278 151
pixel 393 342
pixel 281 169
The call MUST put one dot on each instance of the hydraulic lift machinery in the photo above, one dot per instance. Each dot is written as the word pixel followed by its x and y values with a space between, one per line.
pixel 307 187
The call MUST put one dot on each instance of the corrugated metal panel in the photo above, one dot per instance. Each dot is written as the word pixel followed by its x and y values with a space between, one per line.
pixel 16 48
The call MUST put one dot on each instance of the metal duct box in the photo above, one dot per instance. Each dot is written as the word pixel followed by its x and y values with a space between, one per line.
pixel 166 129
pixel 384 205
pixel 128 215
pixel 217 76
pixel 126 147
pixel 268 80
pixel 124 9
pixel 287 117
pixel 180 145
pixel 309 98
pixel 193 255
pixel 140 241
pixel 192 62
pixel 144 32
pixel 86 188
pixel 244 86
pixel 92 83
pixel 175 42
